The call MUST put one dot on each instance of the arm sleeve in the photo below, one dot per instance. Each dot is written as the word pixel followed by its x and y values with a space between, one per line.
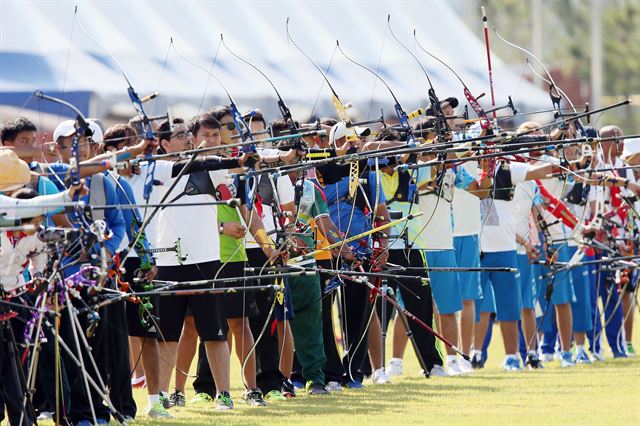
pixel 14 208
pixel 37 262
pixel 209 163
pixel 114 218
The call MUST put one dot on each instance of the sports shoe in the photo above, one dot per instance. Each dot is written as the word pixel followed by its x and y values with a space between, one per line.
pixel 223 402
pixel 511 364
pixel 138 382
pixel 334 387
pixel 546 357
pixel 438 371
pixel 476 361
pixel 465 366
pixel 316 389
pixel 354 384
pixel 177 399
pixel 453 368
pixel 254 398
pixel 597 356
pixel 165 400
pixel 287 389
pixel 379 377
pixel 582 357
pixel 297 384
pixel 567 360
pixel 395 367
pixel 275 395
pixel 620 355
pixel 631 352
pixel 201 398
pixel 45 415
pixel 157 411
pixel 533 362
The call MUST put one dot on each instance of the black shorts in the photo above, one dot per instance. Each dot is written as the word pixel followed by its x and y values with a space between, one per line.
pixel 133 310
pixel 209 312
pixel 241 304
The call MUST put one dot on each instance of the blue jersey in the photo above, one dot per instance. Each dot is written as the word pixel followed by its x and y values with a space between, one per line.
pixel 349 216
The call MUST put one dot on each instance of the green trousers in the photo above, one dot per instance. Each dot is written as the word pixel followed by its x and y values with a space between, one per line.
pixel 306 326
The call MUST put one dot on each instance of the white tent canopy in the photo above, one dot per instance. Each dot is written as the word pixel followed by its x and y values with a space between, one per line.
pixel 42 47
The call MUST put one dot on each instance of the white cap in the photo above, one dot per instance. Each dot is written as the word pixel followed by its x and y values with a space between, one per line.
pixel 68 128
pixel 339 130
pixel 631 147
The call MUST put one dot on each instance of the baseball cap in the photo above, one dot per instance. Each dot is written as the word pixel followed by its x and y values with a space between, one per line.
pixel 14 172
pixel 631 148
pixel 339 130
pixel 68 128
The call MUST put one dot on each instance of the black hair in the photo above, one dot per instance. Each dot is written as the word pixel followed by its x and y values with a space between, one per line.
pixel 24 193
pixel 203 120
pixel 117 134
pixel 254 116
pixel 280 127
pixel 165 131
pixel 389 134
pixel 11 128
pixel 328 121
pixel 220 111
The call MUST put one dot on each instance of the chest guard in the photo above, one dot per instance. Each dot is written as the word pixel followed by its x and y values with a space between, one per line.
pixel 503 187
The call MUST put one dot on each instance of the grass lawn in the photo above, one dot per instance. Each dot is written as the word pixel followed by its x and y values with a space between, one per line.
pixel 601 394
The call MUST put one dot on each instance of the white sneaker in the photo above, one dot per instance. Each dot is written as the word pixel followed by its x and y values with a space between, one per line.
pixel 45 415
pixel 379 377
pixel 465 366
pixel 453 368
pixel 395 367
pixel 438 371
pixel 334 387
pixel 546 357
pixel 597 356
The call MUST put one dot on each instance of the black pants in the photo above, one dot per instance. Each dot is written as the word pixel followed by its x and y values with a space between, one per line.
pixel 268 375
pixel 422 308
pixel 99 343
pixel 356 311
pixel 119 374
pixel 12 387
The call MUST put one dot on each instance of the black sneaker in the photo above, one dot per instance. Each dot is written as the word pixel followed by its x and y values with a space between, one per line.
pixel 287 389
pixel 254 398
pixel 476 362
pixel 316 389
pixel 177 399
pixel 165 400
pixel 533 362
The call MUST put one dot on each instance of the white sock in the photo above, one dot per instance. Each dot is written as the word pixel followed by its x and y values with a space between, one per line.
pixel 154 399
pixel 580 348
pixel 532 352
pixel 512 356
pixel 476 352
pixel 451 358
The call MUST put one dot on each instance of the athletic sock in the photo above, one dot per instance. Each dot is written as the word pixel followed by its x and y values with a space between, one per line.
pixel 451 358
pixel 512 356
pixel 580 348
pixel 154 399
pixel 477 353
pixel 532 353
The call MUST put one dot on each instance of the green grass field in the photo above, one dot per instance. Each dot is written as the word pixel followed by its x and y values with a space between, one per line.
pixel 601 394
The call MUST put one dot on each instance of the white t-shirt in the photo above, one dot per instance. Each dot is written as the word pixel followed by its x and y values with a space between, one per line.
pixel 285 194
pixel 523 199
pixel 438 233
pixel 499 217
pixel 196 226
pixel 466 207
